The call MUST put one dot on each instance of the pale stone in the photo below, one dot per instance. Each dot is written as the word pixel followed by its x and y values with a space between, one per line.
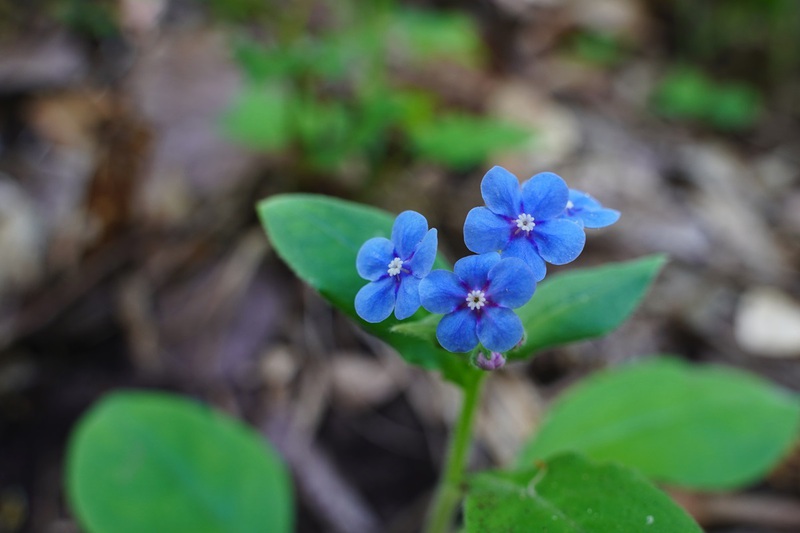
pixel 362 382
pixel 555 132
pixel 768 323
pixel 21 238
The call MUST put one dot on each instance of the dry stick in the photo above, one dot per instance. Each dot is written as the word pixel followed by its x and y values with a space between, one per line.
pixel 334 500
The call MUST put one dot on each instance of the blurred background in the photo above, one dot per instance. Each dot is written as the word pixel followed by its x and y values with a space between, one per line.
pixel 137 135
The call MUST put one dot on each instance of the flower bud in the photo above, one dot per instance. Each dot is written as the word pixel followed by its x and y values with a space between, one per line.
pixel 493 362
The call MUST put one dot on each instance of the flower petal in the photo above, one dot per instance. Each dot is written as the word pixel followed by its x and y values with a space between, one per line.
pixel 499 329
pixel 582 199
pixel 441 292
pixel 574 217
pixel 374 257
pixel 500 191
pixel 599 218
pixel 456 331
pixel 523 248
pixel 589 212
pixel 559 241
pixel 407 297
pixel 420 265
pixel 485 231
pixel 408 230
pixel 473 269
pixel 511 283
pixel 544 196
pixel 375 300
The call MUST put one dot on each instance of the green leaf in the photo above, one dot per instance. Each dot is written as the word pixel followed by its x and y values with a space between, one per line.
pixel 684 93
pixel 240 10
pixel 584 303
pixel 258 118
pixel 697 427
pixel 378 109
pixel 460 141
pixel 414 109
pixel 95 19
pixel 428 36
pixel 142 461
pixel 423 329
pixel 597 48
pixel 736 107
pixel 334 56
pixel 319 238
pixel 261 62
pixel 569 494
pixel 323 128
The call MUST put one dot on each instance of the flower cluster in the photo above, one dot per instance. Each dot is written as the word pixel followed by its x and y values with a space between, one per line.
pixel 519 230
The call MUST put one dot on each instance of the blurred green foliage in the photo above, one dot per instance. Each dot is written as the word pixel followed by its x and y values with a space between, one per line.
pixel 460 140
pixel 90 17
pixel 428 36
pixel 597 48
pixel 756 39
pixel 240 10
pixel 329 93
pixel 259 117
pixel 686 93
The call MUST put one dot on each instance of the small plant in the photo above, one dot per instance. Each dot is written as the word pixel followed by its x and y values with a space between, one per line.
pixel 750 39
pixel 144 461
pixel 92 18
pixel 597 48
pixel 336 96
pixel 706 429
pixel 687 94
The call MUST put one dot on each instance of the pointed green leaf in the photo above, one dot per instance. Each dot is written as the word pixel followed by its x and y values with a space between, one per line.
pixel 142 461
pixel 697 427
pixel 319 238
pixel 569 494
pixel 585 303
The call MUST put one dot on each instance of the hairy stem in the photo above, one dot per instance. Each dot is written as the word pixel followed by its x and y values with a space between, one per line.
pixel 450 490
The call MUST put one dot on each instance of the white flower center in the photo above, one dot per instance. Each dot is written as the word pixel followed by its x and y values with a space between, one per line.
pixel 394 266
pixel 476 299
pixel 525 222
pixel 570 205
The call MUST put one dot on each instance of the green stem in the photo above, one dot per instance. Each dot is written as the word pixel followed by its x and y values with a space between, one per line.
pixel 449 492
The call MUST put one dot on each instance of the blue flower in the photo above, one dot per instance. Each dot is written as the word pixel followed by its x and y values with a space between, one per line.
pixel 588 212
pixel 394 269
pixel 477 300
pixel 524 222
